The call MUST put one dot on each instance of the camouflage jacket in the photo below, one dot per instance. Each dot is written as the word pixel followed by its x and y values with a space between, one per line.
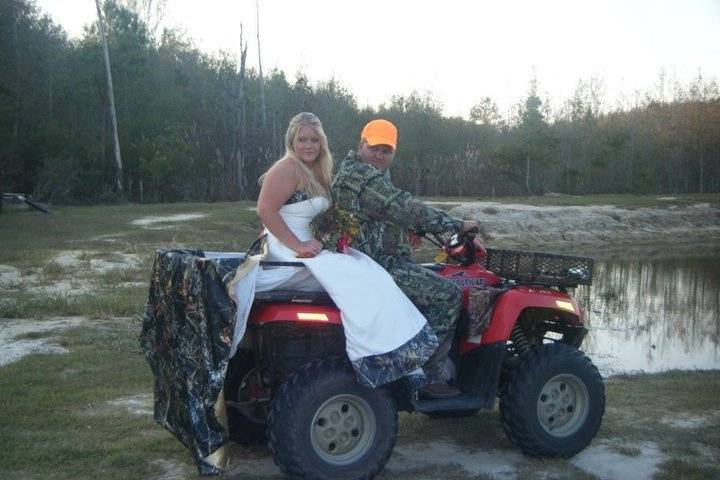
pixel 386 213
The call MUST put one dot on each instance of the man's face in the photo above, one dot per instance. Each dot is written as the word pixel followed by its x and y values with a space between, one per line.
pixel 379 156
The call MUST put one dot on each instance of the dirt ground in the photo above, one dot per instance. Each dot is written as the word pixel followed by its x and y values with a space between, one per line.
pixel 602 230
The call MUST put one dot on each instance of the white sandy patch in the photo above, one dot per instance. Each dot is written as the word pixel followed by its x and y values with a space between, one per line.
pixel 667 199
pixel 140 404
pixel 171 470
pixel 686 421
pixel 606 463
pixel 110 238
pixel 81 267
pixel 119 260
pixel 11 278
pixel 180 217
pixel 495 463
pixel 160 227
pixel 63 287
pixel 8 273
pixel 13 349
pixel 449 202
pixel 601 460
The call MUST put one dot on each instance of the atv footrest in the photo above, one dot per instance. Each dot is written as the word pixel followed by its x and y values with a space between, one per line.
pixel 453 404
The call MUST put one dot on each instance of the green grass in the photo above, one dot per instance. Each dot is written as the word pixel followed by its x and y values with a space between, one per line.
pixel 50 428
pixel 123 302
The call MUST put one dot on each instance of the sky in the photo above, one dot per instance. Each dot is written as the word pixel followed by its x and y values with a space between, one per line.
pixel 459 51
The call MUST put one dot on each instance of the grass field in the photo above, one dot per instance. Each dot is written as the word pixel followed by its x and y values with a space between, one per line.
pixel 86 414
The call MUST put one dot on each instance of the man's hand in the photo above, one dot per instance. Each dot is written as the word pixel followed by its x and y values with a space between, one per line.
pixel 470 226
pixel 415 240
pixel 473 226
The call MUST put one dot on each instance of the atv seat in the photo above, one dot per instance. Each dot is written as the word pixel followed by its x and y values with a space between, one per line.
pixel 294 296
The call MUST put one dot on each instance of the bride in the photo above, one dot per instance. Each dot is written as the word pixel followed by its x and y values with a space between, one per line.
pixel 386 335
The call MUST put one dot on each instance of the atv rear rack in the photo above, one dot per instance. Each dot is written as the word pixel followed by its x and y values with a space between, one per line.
pixel 540 268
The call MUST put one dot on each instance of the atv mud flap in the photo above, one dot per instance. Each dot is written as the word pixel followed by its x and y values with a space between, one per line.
pixel 478 379
pixel 454 404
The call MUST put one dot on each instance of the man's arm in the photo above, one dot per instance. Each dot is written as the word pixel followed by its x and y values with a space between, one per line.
pixel 381 199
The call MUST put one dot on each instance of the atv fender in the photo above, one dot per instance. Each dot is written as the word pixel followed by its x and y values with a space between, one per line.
pixel 511 304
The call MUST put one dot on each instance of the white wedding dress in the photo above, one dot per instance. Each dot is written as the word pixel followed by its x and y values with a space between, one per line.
pixel 386 335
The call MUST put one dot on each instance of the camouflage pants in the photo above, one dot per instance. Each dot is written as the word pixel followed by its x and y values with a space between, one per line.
pixel 438 299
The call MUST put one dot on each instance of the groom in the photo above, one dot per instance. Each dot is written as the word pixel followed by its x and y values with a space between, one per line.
pixel 389 217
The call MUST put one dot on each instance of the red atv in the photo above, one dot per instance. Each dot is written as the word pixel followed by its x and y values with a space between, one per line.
pixel 292 384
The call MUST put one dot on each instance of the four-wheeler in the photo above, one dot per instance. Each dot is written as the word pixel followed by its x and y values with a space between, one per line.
pixel 291 384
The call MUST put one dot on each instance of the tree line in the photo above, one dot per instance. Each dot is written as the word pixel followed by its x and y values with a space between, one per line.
pixel 201 127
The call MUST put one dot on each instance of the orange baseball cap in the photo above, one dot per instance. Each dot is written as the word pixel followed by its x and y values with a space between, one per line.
pixel 380 132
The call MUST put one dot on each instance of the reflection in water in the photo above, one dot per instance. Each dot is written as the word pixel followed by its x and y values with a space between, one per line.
pixel 653 315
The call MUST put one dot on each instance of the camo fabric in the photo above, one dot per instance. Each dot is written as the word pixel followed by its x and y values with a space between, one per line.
pixel 377 370
pixel 186 337
pixel 481 304
pixel 437 298
pixel 386 214
pixel 297 197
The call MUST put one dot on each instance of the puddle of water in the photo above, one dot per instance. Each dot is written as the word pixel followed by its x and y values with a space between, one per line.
pixel 653 315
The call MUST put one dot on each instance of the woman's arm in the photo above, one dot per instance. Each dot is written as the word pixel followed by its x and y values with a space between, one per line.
pixel 280 182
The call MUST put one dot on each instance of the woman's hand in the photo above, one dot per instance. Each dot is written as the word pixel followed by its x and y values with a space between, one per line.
pixel 308 249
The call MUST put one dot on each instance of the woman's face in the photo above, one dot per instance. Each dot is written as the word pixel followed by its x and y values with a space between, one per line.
pixel 307 144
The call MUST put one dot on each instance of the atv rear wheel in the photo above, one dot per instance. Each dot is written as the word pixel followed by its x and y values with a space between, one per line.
pixel 324 425
pixel 247 416
pixel 553 402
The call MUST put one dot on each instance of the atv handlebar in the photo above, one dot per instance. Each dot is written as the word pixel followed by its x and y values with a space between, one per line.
pixel 462 247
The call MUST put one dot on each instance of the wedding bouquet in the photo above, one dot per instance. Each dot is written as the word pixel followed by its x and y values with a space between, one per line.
pixel 336 228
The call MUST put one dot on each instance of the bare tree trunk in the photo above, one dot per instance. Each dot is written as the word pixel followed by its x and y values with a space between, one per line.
pixel 527 173
pixel 111 101
pixel 702 170
pixel 50 88
pixel 240 180
pixel 262 81
pixel 151 12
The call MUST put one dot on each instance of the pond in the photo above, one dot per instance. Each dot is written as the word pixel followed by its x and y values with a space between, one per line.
pixel 651 315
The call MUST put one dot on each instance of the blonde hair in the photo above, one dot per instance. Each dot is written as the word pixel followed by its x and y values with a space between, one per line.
pixel 313 185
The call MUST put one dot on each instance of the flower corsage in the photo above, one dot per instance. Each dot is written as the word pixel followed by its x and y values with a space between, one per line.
pixel 336 228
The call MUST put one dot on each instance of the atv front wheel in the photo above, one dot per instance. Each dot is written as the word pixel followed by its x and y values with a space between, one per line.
pixel 553 402
pixel 324 425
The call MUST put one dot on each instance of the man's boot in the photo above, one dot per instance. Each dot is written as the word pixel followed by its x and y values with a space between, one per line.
pixel 438 390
